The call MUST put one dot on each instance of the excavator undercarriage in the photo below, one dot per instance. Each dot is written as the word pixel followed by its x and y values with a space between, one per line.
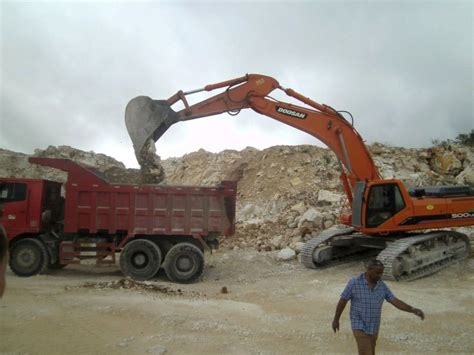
pixel 405 258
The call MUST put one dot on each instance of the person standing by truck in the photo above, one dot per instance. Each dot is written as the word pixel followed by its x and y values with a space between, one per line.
pixel 3 255
pixel 367 293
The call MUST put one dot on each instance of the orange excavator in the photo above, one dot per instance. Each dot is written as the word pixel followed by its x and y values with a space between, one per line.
pixel 410 229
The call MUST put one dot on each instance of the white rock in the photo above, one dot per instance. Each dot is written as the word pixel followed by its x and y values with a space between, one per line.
pixel 328 196
pixel 293 225
pixel 299 246
pixel 312 215
pixel 466 177
pixel 299 207
pixel 297 239
pixel 286 254
pixel 256 221
pixel 276 242
pixel 328 224
pixel 296 181
pixel 158 349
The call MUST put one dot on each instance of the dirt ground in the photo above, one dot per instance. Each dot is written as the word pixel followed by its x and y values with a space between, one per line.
pixel 270 308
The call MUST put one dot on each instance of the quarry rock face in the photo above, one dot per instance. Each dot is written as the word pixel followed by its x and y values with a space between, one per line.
pixel 286 194
pixel 447 161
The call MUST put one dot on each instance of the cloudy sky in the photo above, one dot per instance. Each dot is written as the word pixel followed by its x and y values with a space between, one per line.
pixel 402 68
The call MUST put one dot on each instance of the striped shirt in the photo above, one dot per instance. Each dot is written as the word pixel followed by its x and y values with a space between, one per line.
pixel 366 303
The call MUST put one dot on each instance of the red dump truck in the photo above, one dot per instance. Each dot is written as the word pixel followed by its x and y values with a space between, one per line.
pixel 151 226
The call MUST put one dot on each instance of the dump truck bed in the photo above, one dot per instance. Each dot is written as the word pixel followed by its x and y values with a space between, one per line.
pixel 150 210
pixel 94 206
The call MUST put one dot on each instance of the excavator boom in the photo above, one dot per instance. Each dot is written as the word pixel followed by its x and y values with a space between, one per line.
pixel 148 119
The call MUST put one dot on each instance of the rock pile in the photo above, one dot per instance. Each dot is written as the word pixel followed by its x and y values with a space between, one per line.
pixel 129 284
pixel 151 170
pixel 286 194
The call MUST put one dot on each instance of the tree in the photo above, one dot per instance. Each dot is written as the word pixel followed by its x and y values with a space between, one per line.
pixel 466 139
pixel 462 138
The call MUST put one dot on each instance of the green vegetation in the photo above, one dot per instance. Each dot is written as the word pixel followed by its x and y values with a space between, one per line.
pixel 462 138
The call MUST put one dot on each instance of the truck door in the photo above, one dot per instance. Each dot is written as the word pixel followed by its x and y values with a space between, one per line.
pixel 13 197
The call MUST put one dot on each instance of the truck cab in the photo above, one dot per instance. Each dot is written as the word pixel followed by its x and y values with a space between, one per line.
pixel 30 205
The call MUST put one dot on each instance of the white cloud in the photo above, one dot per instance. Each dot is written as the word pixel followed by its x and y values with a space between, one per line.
pixel 68 69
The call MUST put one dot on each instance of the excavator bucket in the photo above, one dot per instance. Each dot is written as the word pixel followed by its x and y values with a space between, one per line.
pixel 147 119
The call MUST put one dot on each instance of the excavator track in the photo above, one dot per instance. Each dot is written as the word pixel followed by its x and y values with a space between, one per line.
pixel 324 241
pixel 415 257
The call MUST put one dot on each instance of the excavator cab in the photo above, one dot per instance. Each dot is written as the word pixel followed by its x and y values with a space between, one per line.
pixel 381 200
pixel 147 119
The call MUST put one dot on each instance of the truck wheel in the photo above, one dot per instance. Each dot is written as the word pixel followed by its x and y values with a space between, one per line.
pixel 184 263
pixel 28 257
pixel 140 259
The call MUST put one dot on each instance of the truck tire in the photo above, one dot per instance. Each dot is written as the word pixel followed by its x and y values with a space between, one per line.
pixel 184 263
pixel 140 259
pixel 29 257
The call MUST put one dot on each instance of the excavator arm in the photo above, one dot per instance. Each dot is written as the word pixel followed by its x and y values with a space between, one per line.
pixel 149 119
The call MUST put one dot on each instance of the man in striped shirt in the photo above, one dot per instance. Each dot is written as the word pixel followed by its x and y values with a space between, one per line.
pixel 367 293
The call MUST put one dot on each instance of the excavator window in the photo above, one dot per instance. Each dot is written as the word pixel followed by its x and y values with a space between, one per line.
pixel 384 202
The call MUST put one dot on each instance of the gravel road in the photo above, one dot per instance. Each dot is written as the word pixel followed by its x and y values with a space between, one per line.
pixel 245 303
